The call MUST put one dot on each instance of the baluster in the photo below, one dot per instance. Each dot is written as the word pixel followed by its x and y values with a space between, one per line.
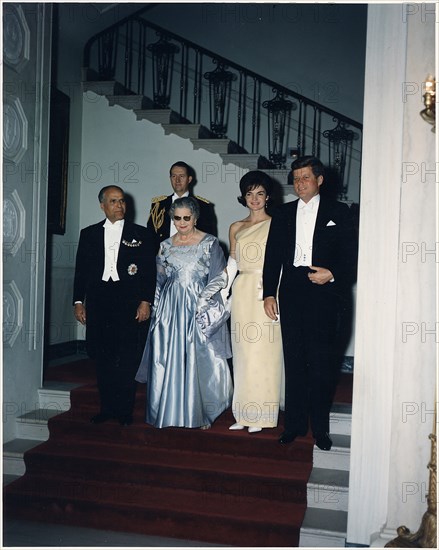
pixel 254 110
pixel 139 54
pixel 244 113
pixel 182 79
pixel 129 84
pixel 314 130
pixel 258 116
pixel 199 87
pixel 127 41
pixel 300 130
pixel 240 103
pixel 143 58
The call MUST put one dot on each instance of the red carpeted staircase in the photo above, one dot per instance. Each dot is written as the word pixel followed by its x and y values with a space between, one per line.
pixel 218 486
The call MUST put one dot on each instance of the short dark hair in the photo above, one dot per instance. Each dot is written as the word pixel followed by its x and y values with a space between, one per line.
pixel 316 165
pixel 184 165
pixel 106 188
pixel 251 180
pixel 185 202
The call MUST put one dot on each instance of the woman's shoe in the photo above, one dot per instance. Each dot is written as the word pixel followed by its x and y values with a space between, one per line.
pixel 254 430
pixel 236 426
pixel 205 427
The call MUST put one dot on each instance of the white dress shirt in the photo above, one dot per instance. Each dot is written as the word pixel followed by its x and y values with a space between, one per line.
pixel 305 225
pixel 112 239
pixel 173 230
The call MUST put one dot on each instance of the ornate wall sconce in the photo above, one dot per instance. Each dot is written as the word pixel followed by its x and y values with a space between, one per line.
pixel 429 113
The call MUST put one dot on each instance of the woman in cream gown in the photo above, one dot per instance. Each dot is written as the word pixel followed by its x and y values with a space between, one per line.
pixel 256 340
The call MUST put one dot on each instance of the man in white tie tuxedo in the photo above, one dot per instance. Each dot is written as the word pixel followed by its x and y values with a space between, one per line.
pixel 114 288
pixel 309 268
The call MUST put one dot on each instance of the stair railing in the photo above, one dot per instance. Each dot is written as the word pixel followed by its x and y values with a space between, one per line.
pixel 230 100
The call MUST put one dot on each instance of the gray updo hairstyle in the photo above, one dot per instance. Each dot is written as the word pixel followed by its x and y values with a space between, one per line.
pixel 185 202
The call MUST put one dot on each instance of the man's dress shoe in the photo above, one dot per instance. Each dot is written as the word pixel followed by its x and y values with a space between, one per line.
pixel 126 420
pixel 289 437
pixel 100 418
pixel 323 441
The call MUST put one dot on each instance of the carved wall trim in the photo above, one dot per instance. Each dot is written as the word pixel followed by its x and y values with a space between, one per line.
pixel 12 313
pixel 15 128
pixel 14 222
pixel 16 37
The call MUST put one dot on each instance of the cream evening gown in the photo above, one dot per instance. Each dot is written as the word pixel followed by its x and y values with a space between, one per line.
pixel 256 340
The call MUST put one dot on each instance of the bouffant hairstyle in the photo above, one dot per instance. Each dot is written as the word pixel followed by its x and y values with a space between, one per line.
pixel 254 179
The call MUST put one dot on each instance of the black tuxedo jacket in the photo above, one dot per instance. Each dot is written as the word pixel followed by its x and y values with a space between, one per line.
pixel 136 264
pixel 334 245
pixel 159 222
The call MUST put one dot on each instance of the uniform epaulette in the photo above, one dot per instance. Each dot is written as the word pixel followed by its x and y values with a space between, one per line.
pixel 202 199
pixel 159 198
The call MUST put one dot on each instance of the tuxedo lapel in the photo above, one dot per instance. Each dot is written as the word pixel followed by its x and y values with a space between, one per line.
pixel 323 214
pixel 291 229
pixel 99 244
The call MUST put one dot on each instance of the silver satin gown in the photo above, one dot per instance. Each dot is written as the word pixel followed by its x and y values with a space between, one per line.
pixel 187 375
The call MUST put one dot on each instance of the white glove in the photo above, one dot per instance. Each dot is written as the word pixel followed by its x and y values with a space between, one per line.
pixel 232 270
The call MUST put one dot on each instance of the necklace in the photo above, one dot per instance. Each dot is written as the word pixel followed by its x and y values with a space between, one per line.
pixel 188 240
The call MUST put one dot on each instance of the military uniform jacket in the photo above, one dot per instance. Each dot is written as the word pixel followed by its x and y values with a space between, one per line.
pixel 159 222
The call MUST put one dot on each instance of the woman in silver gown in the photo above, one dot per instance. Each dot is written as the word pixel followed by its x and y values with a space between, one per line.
pixel 184 363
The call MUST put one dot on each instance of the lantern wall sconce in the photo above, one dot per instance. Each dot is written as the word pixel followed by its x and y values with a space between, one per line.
pixel 429 113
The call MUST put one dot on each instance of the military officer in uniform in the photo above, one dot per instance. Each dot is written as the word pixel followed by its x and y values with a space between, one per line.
pixel 159 224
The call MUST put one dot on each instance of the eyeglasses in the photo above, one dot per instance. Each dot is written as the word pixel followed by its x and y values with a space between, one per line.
pixel 185 218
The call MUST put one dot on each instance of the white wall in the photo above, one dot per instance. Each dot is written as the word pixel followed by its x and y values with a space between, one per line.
pixel 137 155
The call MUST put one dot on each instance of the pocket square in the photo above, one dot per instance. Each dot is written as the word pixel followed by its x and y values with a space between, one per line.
pixel 330 223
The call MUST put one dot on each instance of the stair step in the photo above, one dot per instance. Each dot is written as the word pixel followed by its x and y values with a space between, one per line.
pixel 132 102
pixel 244 161
pixel 338 458
pixel 341 419
pixel 270 479
pixel 219 439
pixel 187 131
pixel 234 520
pixel 9 478
pixel 103 87
pixel 323 528
pixel 33 425
pixel 328 489
pixel 157 116
pixel 56 395
pixel 214 145
pixel 13 452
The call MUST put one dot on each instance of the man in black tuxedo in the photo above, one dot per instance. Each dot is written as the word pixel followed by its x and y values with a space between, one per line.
pixel 114 287
pixel 159 223
pixel 312 248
